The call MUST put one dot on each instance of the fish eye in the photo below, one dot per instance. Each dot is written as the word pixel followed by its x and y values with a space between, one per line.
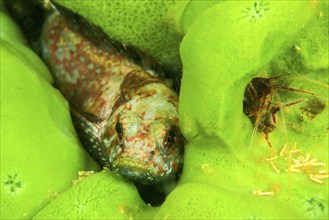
pixel 118 129
pixel 170 139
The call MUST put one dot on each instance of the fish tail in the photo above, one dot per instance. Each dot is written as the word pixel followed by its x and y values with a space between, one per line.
pixel 30 15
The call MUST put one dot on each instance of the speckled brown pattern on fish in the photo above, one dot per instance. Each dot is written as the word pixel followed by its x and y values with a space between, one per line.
pixel 88 75
pixel 126 117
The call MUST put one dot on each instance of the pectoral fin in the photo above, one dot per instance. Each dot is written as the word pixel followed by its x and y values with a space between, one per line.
pixel 89 132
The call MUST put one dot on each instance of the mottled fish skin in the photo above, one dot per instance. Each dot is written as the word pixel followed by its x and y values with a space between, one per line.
pixel 125 116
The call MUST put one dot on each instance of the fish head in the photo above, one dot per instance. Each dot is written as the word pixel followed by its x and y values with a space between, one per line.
pixel 147 145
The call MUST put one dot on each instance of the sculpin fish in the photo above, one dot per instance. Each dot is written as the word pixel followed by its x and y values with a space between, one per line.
pixel 125 114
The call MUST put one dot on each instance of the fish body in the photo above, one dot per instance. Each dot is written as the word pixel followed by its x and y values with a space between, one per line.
pixel 126 115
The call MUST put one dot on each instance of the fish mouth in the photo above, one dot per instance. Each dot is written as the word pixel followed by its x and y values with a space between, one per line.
pixel 138 171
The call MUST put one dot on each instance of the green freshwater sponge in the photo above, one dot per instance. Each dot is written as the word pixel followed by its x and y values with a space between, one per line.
pixel 147 25
pixel 313 42
pixel 203 201
pixel 229 171
pixel 309 51
pixel 224 149
pixel 103 195
pixel 40 152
